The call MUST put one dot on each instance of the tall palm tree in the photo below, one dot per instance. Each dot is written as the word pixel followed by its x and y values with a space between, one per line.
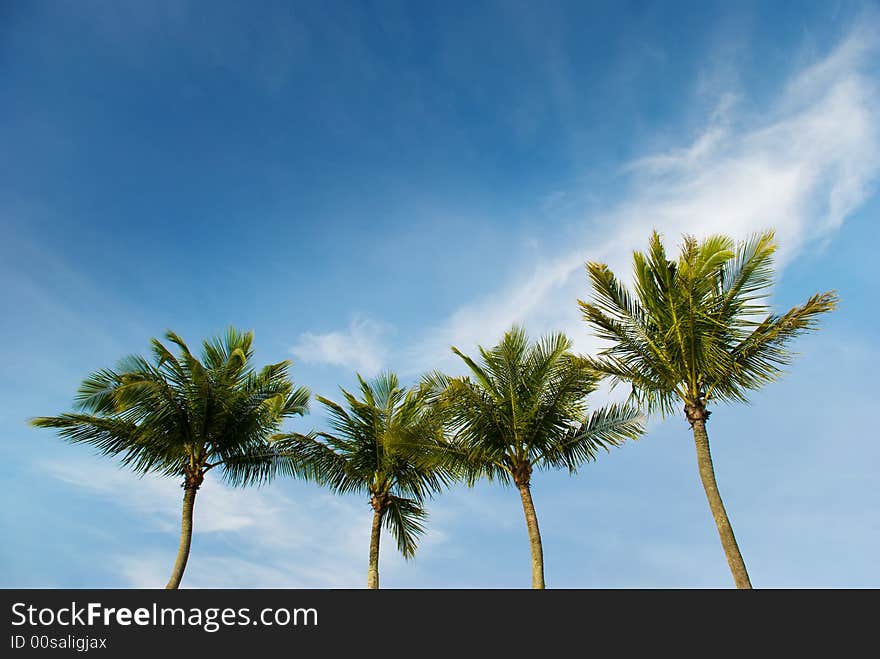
pixel 182 416
pixel 524 407
pixel 381 445
pixel 698 331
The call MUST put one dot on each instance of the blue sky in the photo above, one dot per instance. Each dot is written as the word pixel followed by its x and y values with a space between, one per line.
pixel 366 184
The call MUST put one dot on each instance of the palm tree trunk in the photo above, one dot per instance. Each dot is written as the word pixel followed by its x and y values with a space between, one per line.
pixel 725 531
pixel 534 536
pixel 189 499
pixel 373 573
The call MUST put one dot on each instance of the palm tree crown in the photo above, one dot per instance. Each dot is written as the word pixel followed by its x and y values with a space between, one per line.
pixel 524 406
pixel 697 329
pixel 183 416
pixel 380 445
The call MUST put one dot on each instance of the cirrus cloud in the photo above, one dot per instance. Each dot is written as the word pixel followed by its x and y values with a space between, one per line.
pixel 360 346
pixel 802 165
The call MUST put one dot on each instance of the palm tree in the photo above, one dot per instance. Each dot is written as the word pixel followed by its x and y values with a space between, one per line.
pixel 697 331
pixel 524 407
pixel 381 445
pixel 183 416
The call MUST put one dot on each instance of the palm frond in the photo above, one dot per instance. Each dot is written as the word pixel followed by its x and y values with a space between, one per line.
pixel 405 518
pixel 137 448
pixel 603 429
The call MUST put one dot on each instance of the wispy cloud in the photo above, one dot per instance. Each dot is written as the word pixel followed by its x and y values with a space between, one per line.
pixel 361 346
pixel 254 538
pixel 801 166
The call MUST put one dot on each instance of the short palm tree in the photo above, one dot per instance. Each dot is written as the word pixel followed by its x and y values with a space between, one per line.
pixel 524 407
pixel 182 416
pixel 697 331
pixel 381 445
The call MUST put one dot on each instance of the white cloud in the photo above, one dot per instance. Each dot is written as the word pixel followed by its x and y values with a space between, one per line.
pixel 801 167
pixel 360 347
pixel 275 540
